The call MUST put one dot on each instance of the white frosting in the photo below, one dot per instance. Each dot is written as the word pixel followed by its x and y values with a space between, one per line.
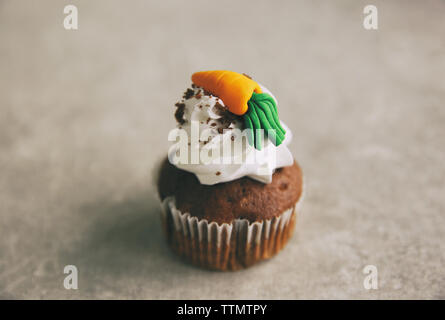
pixel 248 161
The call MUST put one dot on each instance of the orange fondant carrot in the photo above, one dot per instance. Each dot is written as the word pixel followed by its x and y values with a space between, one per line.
pixel 233 88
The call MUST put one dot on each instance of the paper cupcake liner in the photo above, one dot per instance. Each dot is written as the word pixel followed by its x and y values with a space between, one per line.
pixel 226 246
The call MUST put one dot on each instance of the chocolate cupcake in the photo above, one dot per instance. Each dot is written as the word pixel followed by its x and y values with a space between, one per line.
pixel 230 188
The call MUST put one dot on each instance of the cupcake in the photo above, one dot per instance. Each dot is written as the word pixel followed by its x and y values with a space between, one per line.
pixel 230 188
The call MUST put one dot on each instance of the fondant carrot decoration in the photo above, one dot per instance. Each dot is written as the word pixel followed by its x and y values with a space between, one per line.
pixel 244 97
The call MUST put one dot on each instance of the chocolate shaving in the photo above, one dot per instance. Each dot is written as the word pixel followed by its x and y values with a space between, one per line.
pixel 179 113
pixel 208 93
pixel 227 118
pixel 220 110
pixel 189 93
pixel 226 121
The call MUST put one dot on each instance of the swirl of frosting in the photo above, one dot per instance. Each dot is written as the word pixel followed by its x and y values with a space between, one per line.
pixel 205 114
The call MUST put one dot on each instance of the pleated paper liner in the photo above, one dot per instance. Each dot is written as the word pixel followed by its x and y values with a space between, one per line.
pixel 226 246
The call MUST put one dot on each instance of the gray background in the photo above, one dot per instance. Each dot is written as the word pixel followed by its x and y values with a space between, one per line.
pixel 85 116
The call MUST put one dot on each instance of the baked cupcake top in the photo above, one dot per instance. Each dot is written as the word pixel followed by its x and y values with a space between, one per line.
pixel 239 199
pixel 228 128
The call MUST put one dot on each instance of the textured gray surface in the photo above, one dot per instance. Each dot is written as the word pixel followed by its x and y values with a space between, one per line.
pixel 85 116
